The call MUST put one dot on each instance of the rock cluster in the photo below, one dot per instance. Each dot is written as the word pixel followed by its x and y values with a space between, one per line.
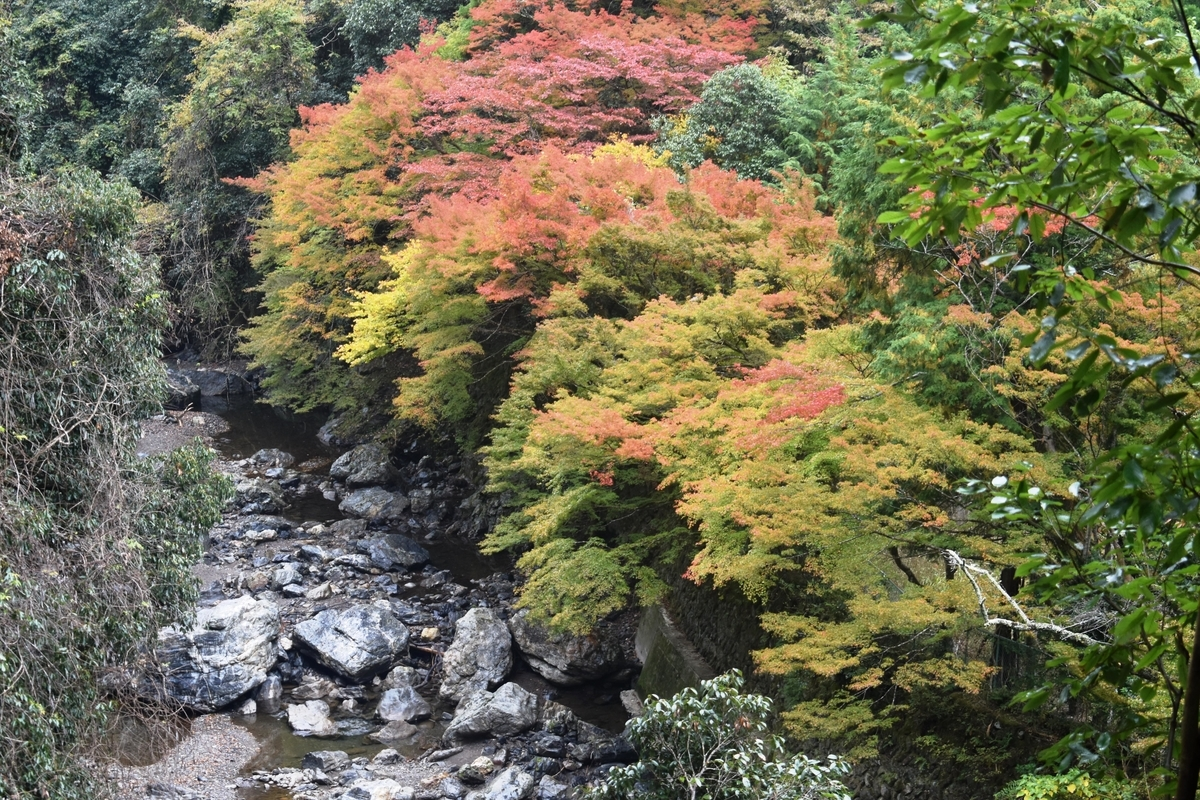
pixel 343 627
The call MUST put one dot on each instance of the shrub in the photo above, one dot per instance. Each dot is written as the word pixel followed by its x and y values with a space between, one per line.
pixel 712 743
pixel 1073 785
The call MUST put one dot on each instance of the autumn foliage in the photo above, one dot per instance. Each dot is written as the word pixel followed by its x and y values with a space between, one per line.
pixel 364 173
pixel 659 368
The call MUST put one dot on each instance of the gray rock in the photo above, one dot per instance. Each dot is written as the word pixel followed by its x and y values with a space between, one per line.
pixel 632 703
pixel 510 784
pixel 348 527
pixel 259 495
pixel 224 657
pixel 508 710
pixel 403 703
pixel 480 656
pixel 254 582
pixel 386 757
pixel 393 550
pixel 216 382
pixel 395 731
pixel 286 575
pixel 169 791
pixel 374 503
pixel 381 789
pixel 330 436
pixel 399 678
pixel 562 658
pixel 312 552
pixel 270 693
pixel 550 789
pixel 326 760
pixel 356 561
pixel 451 788
pixel 322 592
pixel 313 688
pixel 442 755
pixel 420 500
pixel 182 392
pixel 358 642
pixel 272 457
pixel 249 708
pixel 311 719
pixel 365 465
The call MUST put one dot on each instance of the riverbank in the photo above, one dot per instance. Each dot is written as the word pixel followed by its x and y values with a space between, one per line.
pixel 206 764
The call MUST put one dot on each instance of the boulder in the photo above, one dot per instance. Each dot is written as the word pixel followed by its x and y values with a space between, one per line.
pixel 359 642
pixel 270 693
pixel 403 703
pixel 311 719
pixel 508 710
pixel 550 789
pixel 480 656
pixel 381 789
pixel 393 550
pixel 216 382
pixel 562 658
pixel 259 495
pixel 348 527
pixel 395 731
pixel 182 392
pixel 286 575
pixel 510 784
pixel 373 504
pixel 398 678
pixel 313 687
pixel 420 500
pixel 272 457
pixel 225 656
pixel 365 465
pixel 326 760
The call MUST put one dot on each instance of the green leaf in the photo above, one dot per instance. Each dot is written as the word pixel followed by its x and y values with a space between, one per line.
pixel 1181 195
pixel 1041 348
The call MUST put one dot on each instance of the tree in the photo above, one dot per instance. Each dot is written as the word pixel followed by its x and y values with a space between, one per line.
pixel 96 545
pixel 738 124
pixel 712 742
pixel 249 77
pixel 1089 117
pixel 425 129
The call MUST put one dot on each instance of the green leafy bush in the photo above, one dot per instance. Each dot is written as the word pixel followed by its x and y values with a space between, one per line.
pixel 1073 785
pixel 96 545
pixel 712 743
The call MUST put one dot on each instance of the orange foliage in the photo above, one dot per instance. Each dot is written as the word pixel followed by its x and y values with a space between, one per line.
pixel 425 129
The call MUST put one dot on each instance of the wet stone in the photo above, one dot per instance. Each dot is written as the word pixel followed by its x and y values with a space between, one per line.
pixel 326 760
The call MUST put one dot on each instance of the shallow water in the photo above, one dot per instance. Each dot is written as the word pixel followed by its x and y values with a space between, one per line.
pixel 254 426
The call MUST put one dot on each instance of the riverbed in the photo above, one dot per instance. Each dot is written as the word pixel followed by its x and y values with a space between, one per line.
pixel 223 752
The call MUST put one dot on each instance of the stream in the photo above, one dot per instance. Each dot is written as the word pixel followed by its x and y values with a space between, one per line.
pixel 454 562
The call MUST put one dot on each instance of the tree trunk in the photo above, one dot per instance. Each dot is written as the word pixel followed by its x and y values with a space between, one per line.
pixel 1189 741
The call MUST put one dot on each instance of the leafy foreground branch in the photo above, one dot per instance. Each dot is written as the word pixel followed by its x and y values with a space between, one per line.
pixel 712 743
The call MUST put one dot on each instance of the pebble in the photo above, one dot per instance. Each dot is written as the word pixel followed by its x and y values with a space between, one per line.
pixel 207 761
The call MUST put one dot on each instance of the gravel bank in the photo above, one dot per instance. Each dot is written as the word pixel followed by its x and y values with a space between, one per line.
pixel 206 763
